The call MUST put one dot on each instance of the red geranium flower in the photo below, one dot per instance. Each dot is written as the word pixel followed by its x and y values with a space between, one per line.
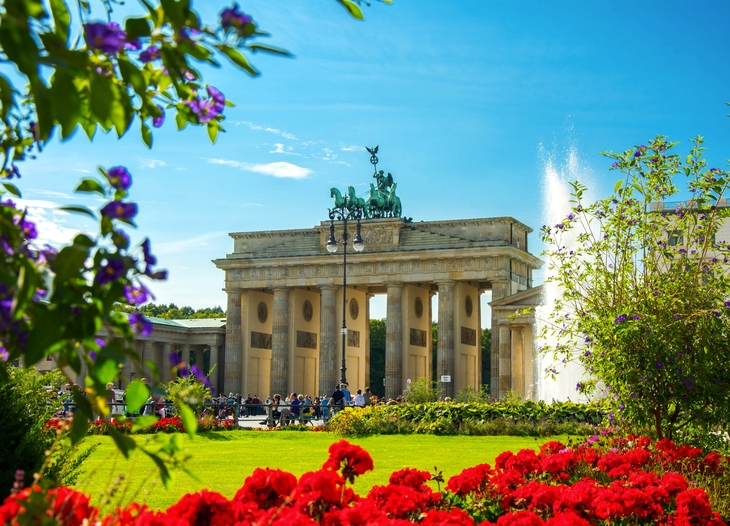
pixel 353 459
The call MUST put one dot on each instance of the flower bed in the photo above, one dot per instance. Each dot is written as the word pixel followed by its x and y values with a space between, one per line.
pixel 524 418
pixel 633 482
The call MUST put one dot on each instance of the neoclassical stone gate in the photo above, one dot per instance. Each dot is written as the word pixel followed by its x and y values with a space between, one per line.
pixel 285 303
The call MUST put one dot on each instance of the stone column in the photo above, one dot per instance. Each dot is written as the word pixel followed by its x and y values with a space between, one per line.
pixel 214 368
pixel 367 339
pixel 500 289
pixel 328 342
pixel 445 360
pixel 518 377
pixel 233 350
pixel 280 343
pixel 165 365
pixel 147 355
pixel 394 342
pixel 429 343
pixel 529 362
pixel 505 351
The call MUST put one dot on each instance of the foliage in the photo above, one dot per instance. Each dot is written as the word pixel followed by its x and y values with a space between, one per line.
pixel 421 391
pixel 173 312
pixel 633 483
pixel 26 407
pixel 645 293
pixel 501 418
pixel 188 391
pixel 470 395
pixel 77 71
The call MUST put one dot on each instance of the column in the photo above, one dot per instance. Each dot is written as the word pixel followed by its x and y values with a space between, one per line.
pixel 233 349
pixel 518 378
pixel 280 343
pixel 394 342
pixel 200 358
pixel 505 351
pixel 165 365
pixel 529 363
pixel 445 360
pixel 147 355
pixel 367 339
pixel 500 290
pixel 429 343
pixel 328 342
pixel 214 368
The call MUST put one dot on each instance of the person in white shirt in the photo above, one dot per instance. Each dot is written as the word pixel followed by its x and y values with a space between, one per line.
pixel 359 399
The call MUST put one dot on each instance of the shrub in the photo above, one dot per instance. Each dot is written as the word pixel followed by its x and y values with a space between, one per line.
pixel 421 391
pixel 189 391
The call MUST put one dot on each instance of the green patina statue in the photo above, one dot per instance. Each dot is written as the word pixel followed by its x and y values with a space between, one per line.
pixel 381 200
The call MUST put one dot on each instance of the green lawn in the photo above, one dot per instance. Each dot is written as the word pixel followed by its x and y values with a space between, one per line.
pixel 222 460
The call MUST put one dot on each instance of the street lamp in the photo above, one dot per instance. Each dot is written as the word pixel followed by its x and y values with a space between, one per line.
pixel 345 212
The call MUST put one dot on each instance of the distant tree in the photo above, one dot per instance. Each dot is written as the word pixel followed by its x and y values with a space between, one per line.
pixel 173 312
pixel 377 356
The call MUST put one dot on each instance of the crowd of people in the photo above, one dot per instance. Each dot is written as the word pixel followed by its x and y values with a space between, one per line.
pixel 293 407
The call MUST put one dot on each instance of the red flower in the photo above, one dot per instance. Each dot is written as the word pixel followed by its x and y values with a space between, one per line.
pixel 206 508
pixel 471 480
pixel 353 459
pixel 266 488
pixel 410 477
pixel 568 518
pixel 454 517
pixel 521 518
pixel 549 448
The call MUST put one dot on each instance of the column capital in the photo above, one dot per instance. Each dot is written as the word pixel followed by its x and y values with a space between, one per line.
pixel 394 284
pixel 329 287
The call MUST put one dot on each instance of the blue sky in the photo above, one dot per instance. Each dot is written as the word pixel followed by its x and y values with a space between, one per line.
pixel 468 100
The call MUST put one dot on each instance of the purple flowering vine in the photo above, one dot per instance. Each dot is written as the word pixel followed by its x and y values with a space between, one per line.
pixel 108 38
pixel 119 210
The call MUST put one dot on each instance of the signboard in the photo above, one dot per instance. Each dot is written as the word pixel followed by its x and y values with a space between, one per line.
pixel 408 381
pixel 446 378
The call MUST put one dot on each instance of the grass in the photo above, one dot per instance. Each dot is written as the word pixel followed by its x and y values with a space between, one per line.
pixel 222 460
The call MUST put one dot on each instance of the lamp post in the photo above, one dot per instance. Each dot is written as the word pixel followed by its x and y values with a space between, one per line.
pixel 345 212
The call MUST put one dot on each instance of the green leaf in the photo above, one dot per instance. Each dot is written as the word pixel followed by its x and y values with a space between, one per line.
pixel 78 210
pixel 6 95
pixel 270 49
pixel 70 262
pixel 137 27
pixel 10 187
pixel 164 472
pixel 617 186
pixel 44 337
pixel 213 128
pixel 238 59
pixel 146 134
pixel 124 443
pixel 352 8
pixel 137 394
pixel 143 421
pixel 181 120
pixel 66 102
pixel 105 370
pixel 62 18
pixel 90 185
pixel 132 76
pixel 27 285
pixel 189 419
pixel 79 425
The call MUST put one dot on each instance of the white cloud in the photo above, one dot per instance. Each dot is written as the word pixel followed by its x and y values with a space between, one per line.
pixel 258 127
pixel 277 169
pixel 352 149
pixel 49 193
pixel 182 245
pixel 150 163
pixel 48 221
pixel 288 151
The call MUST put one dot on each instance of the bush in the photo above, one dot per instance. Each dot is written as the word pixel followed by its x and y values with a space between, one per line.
pixel 189 391
pixel 421 391
pixel 26 407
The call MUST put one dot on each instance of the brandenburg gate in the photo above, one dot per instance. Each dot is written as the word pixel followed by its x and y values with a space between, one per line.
pixel 285 302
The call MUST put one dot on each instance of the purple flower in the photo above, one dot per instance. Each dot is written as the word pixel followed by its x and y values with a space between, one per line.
pixel 234 18
pixel 101 343
pixel 160 119
pixel 133 45
pixel 3 353
pixel 621 318
pixel 175 359
pixel 92 355
pixel 28 228
pixel 187 33
pixel 621 407
pixel 120 239
pixel 119 178
pixel 112 271
pixel 107 38
pixel 208 109
pixel 200 375
pixel 140 325
pixel 150 54
pixel 119 210
pixel 637 153
pixel 614 165
pixel 136 295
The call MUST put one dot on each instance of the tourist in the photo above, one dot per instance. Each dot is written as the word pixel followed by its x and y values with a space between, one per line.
pixel 256 404
pixel 285 413
pixel 367 395
pixel 348 396
pixel 359 400
pixel 306 405
pixel 247 410
pixel 324 400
